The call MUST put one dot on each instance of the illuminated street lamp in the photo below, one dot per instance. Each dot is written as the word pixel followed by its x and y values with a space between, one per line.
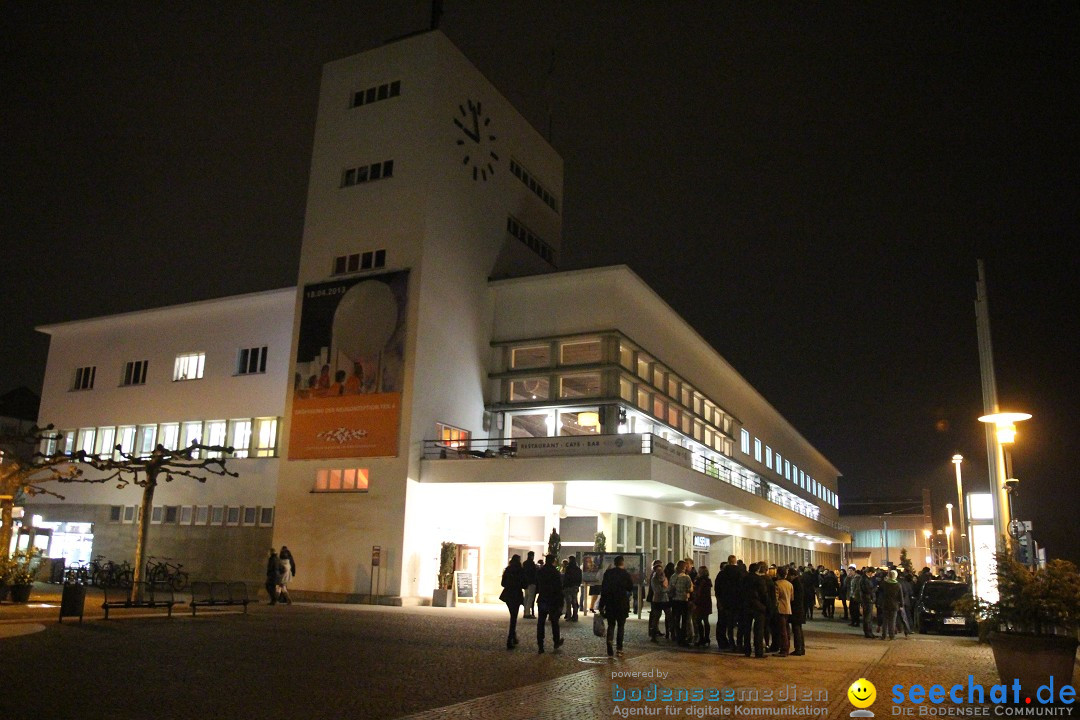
pixel 929 553
pixel 1005 433
pixel 964 549
pixel 948 535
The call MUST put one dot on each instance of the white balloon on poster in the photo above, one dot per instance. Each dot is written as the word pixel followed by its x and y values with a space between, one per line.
pixel 365 320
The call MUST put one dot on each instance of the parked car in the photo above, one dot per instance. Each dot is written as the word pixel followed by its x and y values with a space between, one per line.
pixel 934 607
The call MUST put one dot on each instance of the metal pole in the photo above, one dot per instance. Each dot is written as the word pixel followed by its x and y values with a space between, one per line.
pixel 885 536
pixel 966 547
pixel 994 453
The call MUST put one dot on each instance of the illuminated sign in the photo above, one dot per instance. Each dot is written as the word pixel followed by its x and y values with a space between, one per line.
pixel 700 541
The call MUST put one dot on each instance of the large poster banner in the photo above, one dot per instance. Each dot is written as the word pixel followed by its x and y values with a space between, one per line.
pixel 349 373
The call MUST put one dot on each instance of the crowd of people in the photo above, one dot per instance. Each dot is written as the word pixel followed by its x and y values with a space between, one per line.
pixel 758 609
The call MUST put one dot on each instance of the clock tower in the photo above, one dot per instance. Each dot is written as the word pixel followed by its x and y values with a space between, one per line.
pixel 425 183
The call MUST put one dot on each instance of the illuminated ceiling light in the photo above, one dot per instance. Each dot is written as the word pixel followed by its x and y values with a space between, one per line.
pixel 780 529
pixel 763 524
pixel 588 419
pixel 689 503
pixel 721 512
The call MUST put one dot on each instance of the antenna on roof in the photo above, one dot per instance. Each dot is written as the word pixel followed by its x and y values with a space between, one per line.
pixel 436 13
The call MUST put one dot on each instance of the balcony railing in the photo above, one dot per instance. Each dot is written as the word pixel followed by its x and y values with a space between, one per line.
pixel 580 445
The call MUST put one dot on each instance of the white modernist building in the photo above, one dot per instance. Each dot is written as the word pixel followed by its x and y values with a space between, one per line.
pixel 434 378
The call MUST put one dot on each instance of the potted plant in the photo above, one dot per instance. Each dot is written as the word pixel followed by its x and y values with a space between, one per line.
pixel 1033 625
pixel 554 546
pixel 17 575
pixel 444 593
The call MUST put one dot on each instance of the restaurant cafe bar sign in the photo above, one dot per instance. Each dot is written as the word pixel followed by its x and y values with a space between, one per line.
pixel 579 445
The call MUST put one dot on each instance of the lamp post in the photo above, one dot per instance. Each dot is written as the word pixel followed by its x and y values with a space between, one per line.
pixel 1004 434
pixel 964 548
pixel 929 553
pixel 948 535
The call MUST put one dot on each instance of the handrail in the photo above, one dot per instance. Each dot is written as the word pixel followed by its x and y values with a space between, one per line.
pixel 740 477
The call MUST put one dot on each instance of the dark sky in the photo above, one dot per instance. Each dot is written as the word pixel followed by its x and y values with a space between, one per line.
pixel 809 184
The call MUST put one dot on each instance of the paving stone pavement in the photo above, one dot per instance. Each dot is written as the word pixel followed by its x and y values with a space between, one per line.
pixel 359 662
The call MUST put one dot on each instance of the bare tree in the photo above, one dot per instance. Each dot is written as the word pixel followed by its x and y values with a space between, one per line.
pixel 22 471
pixel 196 461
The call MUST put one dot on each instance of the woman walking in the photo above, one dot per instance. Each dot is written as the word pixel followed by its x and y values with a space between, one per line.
pixel 288 572
pixel 513 583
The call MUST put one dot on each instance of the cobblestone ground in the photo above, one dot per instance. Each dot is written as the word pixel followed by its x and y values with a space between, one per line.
pixel 323 661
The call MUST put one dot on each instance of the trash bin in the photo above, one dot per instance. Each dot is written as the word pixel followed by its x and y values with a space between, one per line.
pixel 72 601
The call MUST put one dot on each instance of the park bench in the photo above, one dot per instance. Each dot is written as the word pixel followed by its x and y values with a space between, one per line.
pixel 218 594
pixel 139 595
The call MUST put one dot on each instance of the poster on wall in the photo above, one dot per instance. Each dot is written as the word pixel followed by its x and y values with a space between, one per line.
pixel 594 565
pixel 350 368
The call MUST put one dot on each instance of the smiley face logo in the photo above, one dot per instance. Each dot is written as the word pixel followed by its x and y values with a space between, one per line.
pixel 862 693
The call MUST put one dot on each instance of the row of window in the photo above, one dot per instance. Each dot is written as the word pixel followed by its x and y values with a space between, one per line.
pixel 367 173
pixel 356 262
pixel 530 182
pixel 786 469
pixel 376 93
pixel 646 384
pixel 249 437
pixel 196 515
pixel 186 366
pixel 531 239
pixel 341 480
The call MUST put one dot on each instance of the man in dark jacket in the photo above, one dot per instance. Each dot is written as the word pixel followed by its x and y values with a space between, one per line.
pixel 798 613
pixel 727 601
pixel 758 606
pixel 571 583
pixel 615 589
pixel 549 599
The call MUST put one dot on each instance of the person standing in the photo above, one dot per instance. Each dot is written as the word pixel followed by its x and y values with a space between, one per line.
pixel 288 570
pixel 702 606
pixel 891 597
pixel 864 595
pixel 571 583
pixel 513 583
pixel 907 597
pixel 549 599
pixel 273 576
pixel 845 582
pixel 785 593
pixel 670 623
pixel 658 587
pixel 798 612
pixel 758 606
pixel 681 587
pixel 615 589
pixel 829 589
pixel 529 566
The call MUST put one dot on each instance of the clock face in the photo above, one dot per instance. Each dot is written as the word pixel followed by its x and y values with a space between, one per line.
pixel 475 140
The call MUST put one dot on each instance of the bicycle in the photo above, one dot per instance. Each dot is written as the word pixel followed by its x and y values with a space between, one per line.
pixel 162 571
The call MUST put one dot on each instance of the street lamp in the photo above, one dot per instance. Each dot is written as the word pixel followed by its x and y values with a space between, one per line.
pixel 929 553
pixel 965 549
pixel 1005 433
pixel 948 534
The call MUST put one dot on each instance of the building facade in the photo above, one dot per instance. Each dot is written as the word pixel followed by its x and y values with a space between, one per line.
pixel 436 378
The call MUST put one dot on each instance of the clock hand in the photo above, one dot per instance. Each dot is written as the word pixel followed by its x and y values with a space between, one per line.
pixel 475 137
pixel 476 126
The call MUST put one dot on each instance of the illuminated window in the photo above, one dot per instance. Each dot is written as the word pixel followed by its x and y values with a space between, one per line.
pixel 643 362
pixel 84 378
pixel 626 356
pixel 768 457
pixel 125 438
pixel 626 389
pixel 341 480
pixel 533 356
pixel 191 432
pixel 450 436
pixel 757 449
pixel 202 514
pixel 575 386
pixel 265 437
pixel 535 424
pixel 135 372
pixel 529 389
pixel 240 437
pixel 84 440
pixel 189 366
pixel 779 466
pixel 145 439
pixel 169 435
pixel 744 441
pixel 579 422
pixel 216 434
pixel 251 361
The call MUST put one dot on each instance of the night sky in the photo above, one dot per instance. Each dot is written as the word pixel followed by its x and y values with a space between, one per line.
pixel 808 184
